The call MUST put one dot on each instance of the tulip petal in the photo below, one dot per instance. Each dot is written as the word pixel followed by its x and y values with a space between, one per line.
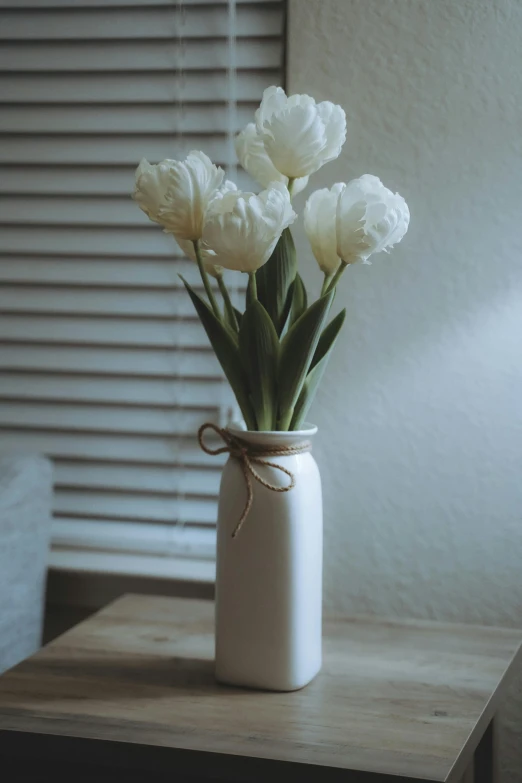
pixel 176 194
pixel 320 228
pixel 242 229
pixel 274 99
pixel 370 218
pixel 334 119
pixel 299 135
pixel 251 153
pixel 294 140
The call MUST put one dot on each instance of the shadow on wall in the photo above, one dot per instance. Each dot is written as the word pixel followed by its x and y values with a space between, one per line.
pixel 420 421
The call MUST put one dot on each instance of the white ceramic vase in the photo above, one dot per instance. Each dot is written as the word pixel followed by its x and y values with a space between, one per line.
pixel 269 577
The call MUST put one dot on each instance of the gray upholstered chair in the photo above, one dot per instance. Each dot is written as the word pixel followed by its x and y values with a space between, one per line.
pixel 25 532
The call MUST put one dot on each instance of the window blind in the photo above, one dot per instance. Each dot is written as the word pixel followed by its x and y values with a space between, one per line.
pixel 104 366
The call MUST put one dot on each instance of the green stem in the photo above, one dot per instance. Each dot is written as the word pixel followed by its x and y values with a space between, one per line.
pixel 253 284
pixel 290 185
pixel 206 282
pixel 326 280
pixel 285 420
pixel 335 279
pixel 228 304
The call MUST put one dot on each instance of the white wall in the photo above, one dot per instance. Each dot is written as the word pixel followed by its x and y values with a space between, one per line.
pixel 421 410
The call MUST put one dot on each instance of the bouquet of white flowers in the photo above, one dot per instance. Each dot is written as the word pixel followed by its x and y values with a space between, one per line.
pixel 275 352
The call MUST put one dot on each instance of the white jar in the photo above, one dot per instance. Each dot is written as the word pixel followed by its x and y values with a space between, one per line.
pixel 269 577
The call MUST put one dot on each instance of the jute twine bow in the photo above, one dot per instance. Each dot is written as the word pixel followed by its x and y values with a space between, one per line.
pixel 248 455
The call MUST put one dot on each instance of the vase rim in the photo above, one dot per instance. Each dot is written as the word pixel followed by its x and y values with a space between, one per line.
pixel 281 436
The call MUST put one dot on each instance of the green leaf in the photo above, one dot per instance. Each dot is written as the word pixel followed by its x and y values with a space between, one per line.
pixel 230 318
pixel 239 315
pixel 297 352
pixel 275 278
pixel 229 310
pixel 225 345
pixel 299 301
pixel 328 337
pixel 317 368
pixel 259 351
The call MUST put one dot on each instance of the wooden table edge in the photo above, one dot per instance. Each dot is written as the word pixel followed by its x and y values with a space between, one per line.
pixel 486 718
pixel 195 763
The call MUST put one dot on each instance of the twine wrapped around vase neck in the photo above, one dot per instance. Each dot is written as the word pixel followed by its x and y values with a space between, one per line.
pixel 249 454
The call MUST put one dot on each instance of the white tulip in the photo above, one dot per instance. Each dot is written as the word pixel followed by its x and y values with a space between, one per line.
pixel 369 219
pixel 319 224
pixel 176 194
pixel 299 134
pixel 151 186
pixel 251 153
pixel 242 229
pixel 187 245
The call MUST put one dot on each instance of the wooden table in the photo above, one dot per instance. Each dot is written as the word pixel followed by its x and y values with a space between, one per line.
pixel 129 695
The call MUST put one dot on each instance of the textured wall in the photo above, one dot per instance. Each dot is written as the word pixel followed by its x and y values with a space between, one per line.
pixel 421 411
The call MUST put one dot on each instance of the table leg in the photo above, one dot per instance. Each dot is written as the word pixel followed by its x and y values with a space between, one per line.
pixel 468 776
pixel 486 761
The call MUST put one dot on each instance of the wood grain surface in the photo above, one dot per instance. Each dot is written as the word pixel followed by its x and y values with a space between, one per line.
pixel 133 686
